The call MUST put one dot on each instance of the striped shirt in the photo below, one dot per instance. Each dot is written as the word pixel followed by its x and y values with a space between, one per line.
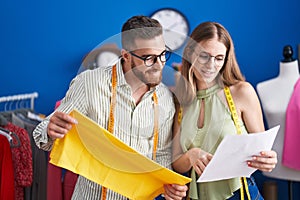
pixel 90 93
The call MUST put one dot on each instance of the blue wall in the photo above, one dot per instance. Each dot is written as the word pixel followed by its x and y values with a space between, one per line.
pixel 42 42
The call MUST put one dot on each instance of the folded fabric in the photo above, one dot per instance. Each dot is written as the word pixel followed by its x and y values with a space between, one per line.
pixel 91 151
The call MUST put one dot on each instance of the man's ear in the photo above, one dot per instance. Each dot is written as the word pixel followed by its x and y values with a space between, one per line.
pixel 125 55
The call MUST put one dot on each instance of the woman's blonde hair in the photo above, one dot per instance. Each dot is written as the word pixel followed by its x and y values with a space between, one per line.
pixel 230 72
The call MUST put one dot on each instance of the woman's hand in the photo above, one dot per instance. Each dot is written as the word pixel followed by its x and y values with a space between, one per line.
pixel 174 191
pixel 266 161
pixel 198 159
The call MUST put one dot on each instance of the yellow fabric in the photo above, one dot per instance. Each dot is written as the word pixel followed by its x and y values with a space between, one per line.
pixel 93 152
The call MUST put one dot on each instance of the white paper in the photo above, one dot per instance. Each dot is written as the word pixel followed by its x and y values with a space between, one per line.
pixel 230 158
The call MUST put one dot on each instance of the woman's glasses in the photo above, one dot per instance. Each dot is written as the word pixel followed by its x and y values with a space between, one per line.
pixel 206 57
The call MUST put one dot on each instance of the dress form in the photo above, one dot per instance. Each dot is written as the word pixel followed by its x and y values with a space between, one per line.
pixel 274 95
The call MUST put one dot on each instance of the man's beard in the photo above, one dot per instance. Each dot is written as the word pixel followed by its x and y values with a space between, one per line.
pixel 142 76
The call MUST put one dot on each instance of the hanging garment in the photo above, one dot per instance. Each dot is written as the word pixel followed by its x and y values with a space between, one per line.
pixel 37 190
pixel 60 183
pixel 22 157
pixel 7 189
pixel 290 157
pixel 22 160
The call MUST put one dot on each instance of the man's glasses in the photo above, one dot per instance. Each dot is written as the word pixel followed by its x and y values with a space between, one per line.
pixel 150 60
pixel 206 57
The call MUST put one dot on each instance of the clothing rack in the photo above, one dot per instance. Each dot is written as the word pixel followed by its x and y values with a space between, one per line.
pixel 19 97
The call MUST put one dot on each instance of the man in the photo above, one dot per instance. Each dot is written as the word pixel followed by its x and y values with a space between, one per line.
pixel 128 99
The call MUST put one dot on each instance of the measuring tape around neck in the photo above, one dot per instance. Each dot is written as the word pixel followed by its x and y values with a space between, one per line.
pixel 234 115
pixel 232 110
pixel 112 119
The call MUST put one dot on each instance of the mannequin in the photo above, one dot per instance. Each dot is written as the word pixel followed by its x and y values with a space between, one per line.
pixel 275 95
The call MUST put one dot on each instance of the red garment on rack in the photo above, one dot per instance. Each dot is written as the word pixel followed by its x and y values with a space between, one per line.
pixel 7 190
pixel 22 160
pixel 60 186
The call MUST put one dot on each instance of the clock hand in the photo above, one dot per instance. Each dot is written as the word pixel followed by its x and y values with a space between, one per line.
pixel 172 25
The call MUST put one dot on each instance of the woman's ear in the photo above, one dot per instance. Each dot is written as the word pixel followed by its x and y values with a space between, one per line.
pixel 189 51
pixel 190 55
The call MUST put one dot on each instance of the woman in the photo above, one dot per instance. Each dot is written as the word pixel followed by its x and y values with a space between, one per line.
pixel 209 64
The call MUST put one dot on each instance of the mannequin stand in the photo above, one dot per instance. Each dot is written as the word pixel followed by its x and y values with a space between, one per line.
pixel 290 187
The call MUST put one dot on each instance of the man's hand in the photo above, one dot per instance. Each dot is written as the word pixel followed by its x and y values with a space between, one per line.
pixel 60 123
pixel 175 192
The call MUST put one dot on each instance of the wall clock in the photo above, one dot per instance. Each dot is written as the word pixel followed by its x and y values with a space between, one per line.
pixel 103 55
pixel 175 26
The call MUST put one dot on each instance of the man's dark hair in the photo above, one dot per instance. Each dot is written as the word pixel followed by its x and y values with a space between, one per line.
pixel 139 27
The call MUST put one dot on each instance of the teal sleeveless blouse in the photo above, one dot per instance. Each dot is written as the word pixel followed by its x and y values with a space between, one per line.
pixel 217 124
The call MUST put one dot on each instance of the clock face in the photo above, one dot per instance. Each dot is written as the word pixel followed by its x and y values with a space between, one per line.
pixel 175 27
pixel 106 58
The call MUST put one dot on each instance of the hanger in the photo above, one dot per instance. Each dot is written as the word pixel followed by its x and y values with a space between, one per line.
pixel 12 137
pixel 9 138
